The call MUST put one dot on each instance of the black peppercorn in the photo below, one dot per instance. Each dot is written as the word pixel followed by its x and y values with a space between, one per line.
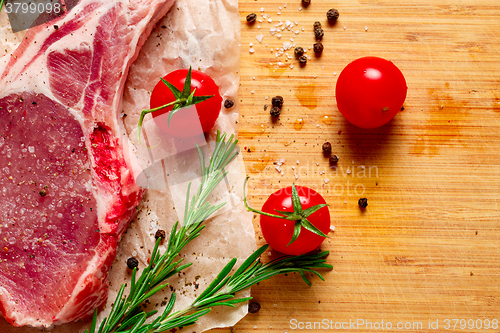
pixel 332 15
pixel 363 202
pixel 303 60
pixel 251 18
pixel 228 103
pixel 275 111
pixel 160 233
pixel 306 3
pixel 42 193
pixel 327 148
pixel 317 25
pixel 277 101
pixel 299 51
pixel 253 307
pixel 334 159
pixel 132 263
pixel 319 33
pixel 318 48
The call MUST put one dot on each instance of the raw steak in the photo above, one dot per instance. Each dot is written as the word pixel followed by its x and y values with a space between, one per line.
pixel 66 185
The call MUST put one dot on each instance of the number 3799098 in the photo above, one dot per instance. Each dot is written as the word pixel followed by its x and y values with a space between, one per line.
pixel 15 7
pixel 471 324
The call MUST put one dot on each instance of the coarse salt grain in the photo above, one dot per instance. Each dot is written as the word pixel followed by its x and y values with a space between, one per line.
pixel 269 20
pixel 272 31
pixel 366 28
pixel 327 180
pixel 259 38
pixel 253 92
pixel 251 50
pixel 251 44
pixel 291 66
pixel 332 228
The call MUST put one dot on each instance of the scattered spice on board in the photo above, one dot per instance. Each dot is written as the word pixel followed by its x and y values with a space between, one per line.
pixel 253 307
pixel 363 202
pixel 319 33
pixel 275 111
pixel 303 60
pixel 277 101
pixel 317 25
pixel 334 159
pixel 332 15
pixel 306 3
pixel 318 48
pixel 42 193
pixel 228 103
pixel 299 51
pixel 327 148
pixel 251 18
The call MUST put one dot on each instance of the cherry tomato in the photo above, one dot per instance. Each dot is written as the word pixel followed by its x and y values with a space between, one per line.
pixel 279 232
pixel 183 124
pixel 370 91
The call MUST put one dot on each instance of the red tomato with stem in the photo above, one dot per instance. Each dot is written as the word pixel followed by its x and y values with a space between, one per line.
pixel 183 124
pixel 370 91
pixel 303 223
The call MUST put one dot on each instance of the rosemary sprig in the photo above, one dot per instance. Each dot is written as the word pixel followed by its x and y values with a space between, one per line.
pixel 127 311
pixel 127 315
pixel 222 290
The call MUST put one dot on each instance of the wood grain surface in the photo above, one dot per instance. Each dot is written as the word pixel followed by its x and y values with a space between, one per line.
pixel 426 248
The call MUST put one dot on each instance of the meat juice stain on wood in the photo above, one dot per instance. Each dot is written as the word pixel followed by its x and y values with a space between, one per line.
pixel 328 120
pixel 306 95
pixel 261 163
pixel 299 123
pixel 442 128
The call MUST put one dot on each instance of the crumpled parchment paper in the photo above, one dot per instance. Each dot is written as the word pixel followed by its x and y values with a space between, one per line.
pixel 205 35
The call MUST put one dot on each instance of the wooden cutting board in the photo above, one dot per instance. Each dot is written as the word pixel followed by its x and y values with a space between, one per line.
pixel 424 254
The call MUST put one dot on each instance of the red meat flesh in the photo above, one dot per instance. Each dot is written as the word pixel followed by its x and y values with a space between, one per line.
pixel 66 184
